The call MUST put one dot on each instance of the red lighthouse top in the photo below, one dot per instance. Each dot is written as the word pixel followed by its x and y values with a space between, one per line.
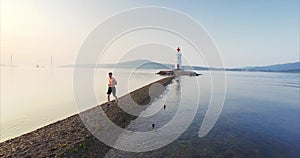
pixel 178 49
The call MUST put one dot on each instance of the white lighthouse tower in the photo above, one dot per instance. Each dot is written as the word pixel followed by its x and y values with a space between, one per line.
pixel 178 69
pixel 178 63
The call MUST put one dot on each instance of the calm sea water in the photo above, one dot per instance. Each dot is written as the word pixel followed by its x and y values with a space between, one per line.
pixel 34 97
pixel 260 117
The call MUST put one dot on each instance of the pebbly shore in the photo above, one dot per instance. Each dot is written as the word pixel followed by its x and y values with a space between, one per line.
pixel 70 138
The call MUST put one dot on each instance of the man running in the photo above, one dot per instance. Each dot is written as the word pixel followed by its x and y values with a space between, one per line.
pixel 112 82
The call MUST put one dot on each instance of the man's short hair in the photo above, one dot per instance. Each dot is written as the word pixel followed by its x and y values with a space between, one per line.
pixel 110 73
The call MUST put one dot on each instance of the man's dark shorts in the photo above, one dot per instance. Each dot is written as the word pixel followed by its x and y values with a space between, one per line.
pixel 111 90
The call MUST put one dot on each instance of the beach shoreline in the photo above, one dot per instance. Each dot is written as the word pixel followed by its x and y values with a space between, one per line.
pixel 69 137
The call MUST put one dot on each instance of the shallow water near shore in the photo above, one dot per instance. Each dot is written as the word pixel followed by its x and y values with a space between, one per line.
pixel 260 117
pixel 34 97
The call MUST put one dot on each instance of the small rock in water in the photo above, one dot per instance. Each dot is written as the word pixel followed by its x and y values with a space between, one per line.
pixel 153 125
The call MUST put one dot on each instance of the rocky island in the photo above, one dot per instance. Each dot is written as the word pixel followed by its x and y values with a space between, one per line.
pixel 177 72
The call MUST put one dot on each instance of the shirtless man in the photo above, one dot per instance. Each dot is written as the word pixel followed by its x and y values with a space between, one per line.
pixel 112 82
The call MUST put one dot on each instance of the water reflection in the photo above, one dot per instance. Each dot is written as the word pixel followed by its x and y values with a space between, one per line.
pixel 259 119
pixel 256 121
pixel 177 85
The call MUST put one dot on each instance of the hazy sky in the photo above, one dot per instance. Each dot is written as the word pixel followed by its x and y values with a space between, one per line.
pixel 247 33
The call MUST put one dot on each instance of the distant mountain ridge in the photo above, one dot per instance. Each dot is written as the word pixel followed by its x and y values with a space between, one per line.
pixel 134 64
pixel 147 64
pixel 277 67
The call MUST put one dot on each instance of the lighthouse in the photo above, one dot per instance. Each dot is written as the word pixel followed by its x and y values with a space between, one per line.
pixel 178 63
pixel 178 69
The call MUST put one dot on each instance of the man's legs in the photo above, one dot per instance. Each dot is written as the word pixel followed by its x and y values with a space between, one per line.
pixel 108 98
pixel 108 95
pixel 116 98
pixel 114 93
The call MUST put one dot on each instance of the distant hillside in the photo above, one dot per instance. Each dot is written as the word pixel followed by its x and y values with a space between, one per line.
pixel 287 67
pixel 134 64
pixel 147 64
